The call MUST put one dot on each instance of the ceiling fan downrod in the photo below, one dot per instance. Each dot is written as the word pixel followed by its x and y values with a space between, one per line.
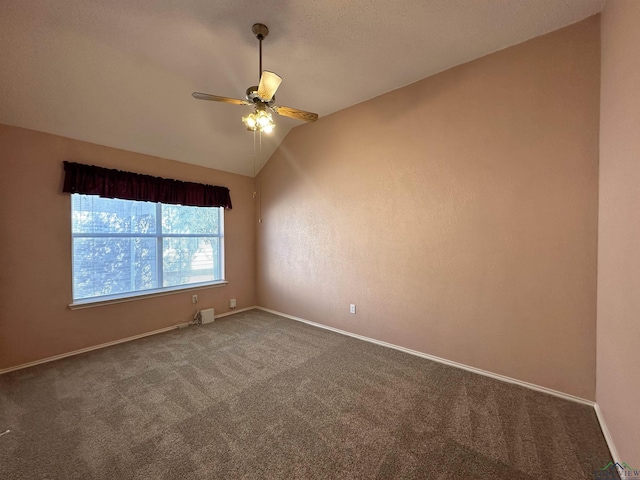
pixel 260 31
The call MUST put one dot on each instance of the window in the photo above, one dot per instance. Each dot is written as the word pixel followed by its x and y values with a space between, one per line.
pixel 124 248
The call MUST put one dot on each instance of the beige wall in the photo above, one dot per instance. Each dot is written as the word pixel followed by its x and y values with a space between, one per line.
pixel 618 380
pixel 458 213
pixel 35 250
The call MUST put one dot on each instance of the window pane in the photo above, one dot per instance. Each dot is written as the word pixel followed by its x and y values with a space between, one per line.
pixel 179 219
pixel 107 266
pixel 119 248
pixel 190 260
pixel 93 214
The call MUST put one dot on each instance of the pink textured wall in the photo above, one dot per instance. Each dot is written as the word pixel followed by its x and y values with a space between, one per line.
pixel 618 381
pixel 35 250
pixel 458 213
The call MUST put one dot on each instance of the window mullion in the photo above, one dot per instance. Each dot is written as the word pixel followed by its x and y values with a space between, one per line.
pixel 159 264
pixel 221 260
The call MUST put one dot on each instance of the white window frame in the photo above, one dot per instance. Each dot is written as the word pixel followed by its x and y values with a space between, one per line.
pixel 159 236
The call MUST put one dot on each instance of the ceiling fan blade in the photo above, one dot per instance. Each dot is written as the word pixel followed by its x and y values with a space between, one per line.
pixel 295 113
pixel 216 98
pixel 269 83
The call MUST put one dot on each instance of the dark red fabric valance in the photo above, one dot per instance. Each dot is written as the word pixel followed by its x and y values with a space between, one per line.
pixel 110 183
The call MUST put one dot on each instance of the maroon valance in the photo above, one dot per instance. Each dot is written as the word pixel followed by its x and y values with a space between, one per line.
pixel 110 183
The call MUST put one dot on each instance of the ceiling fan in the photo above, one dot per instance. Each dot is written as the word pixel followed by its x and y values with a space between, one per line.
pixel 262 96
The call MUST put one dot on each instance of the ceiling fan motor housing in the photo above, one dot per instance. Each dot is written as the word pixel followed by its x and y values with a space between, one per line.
pixel 253 97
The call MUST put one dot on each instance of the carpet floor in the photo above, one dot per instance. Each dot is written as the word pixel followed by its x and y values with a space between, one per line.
pixel 255 396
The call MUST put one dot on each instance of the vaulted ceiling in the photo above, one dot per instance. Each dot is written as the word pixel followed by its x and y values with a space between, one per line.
pixel 121 72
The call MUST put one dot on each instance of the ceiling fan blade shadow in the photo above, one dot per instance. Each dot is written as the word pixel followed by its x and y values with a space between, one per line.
pixel 269 83
pixel 295 113
pixel 216 98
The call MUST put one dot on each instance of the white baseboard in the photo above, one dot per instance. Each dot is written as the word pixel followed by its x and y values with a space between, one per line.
pixel 607 435
pixel 479 371
pixel 109 344
pixel 233 312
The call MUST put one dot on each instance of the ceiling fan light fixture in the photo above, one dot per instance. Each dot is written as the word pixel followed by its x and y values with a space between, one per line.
pixel 259 120
pixel 264 119
pixel 269 83
pixel 250 121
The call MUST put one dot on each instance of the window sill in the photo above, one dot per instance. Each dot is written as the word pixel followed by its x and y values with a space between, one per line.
pixel 141 296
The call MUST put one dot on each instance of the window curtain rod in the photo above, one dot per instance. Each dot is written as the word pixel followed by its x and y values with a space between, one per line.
pixel 111 183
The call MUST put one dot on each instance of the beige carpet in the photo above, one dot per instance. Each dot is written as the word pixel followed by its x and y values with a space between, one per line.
pixel 258 396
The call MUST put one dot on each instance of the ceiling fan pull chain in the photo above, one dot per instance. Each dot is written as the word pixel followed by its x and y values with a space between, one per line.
pixel 254 164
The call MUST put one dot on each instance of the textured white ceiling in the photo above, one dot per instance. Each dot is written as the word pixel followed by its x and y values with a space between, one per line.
pixel 121 72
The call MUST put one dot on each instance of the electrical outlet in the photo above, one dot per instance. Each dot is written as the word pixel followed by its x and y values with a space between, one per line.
pixel 232 303
pixel 194 299
pixel 352 308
